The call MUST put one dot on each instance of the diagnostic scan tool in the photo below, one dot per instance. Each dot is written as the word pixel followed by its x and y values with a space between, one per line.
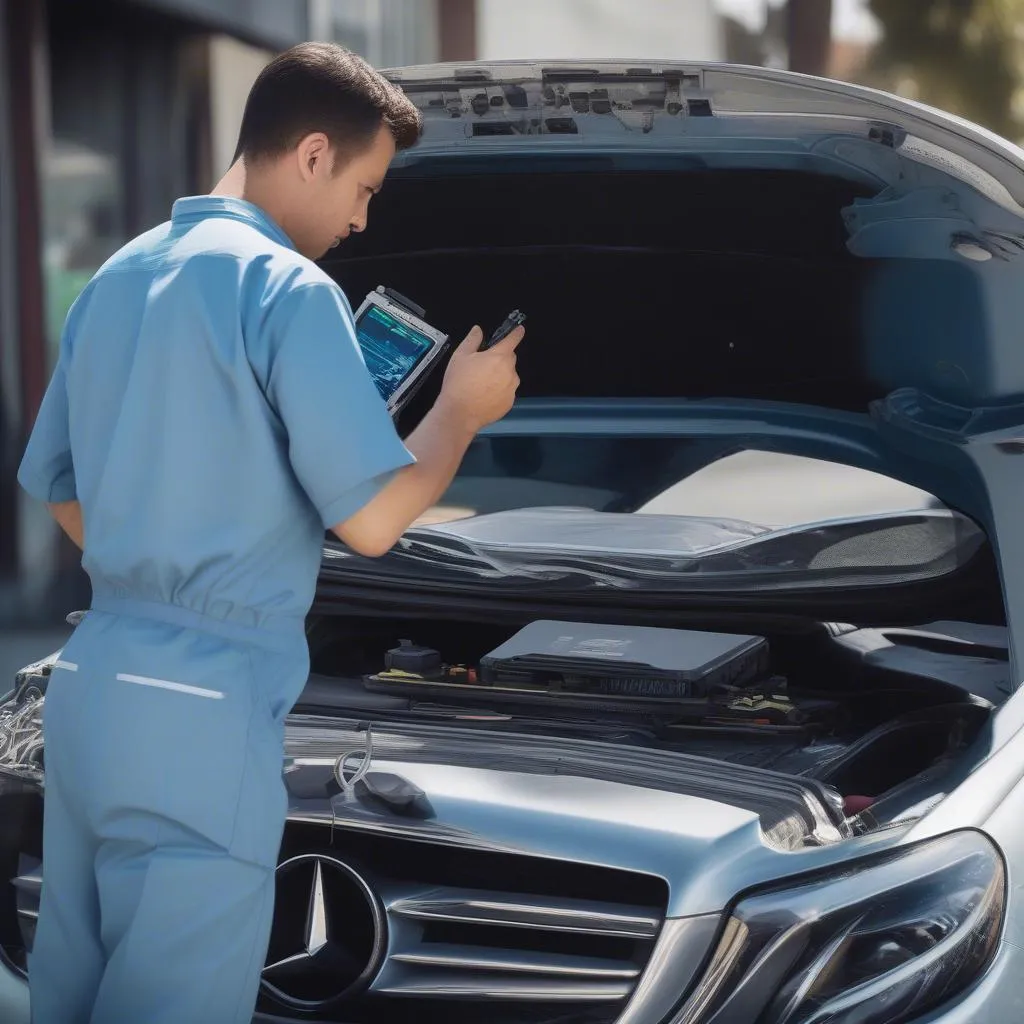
pixel 507 326
pixel 398 345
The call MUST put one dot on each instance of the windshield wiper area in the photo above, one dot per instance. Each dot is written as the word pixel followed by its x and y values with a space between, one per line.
pixel 584 548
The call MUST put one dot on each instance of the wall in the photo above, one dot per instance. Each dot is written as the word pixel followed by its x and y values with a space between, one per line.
pixel 233 68
pixel 111 106
pixel 573 29
pixel 10 403
pixel 388 33
pixel 271 23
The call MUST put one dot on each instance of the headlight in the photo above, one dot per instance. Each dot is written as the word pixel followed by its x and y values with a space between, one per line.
pixel 880 944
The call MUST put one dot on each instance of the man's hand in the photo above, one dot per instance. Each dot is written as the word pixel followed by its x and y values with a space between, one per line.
pixel 479 388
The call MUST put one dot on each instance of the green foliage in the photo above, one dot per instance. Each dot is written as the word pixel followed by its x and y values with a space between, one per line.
pixel 963 56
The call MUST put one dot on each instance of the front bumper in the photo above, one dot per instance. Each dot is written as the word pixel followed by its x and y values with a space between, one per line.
pixel 998 998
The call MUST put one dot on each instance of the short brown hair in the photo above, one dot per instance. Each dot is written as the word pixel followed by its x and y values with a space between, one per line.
pixel 320 87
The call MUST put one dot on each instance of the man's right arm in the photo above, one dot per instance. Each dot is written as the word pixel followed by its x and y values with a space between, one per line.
pixel 366 484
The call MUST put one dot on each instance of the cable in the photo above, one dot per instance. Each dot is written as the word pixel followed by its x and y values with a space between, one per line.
pixel 21 733
pixel 341 765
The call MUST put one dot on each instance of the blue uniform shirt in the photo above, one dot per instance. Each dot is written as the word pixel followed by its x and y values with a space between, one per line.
pixel 212 412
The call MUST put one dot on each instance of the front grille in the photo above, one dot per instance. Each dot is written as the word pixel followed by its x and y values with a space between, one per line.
pixel 470 943
pixel 526 951
pixel 429 931
pixel 27 885
pixel 466 933
pixel 408 928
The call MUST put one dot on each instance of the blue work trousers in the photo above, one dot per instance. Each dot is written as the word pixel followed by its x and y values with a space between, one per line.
pixel 164 811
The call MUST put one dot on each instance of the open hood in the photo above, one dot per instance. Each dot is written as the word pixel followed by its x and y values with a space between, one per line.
pixel 845 266
pixel 596 98
pixel 941 191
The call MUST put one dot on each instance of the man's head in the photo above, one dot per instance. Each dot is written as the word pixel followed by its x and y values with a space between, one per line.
pixel 319 130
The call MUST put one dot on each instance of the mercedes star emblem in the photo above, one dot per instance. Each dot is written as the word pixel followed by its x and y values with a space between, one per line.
pixel 329 932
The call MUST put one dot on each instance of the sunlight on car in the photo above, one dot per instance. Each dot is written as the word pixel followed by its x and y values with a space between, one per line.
pixel 785 490
pixel 444 514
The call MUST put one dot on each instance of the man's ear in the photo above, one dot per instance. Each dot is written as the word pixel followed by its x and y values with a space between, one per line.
pixel 313 155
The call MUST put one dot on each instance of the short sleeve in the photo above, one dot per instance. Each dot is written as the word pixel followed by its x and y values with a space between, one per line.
pixel 47 471
pixel 342 441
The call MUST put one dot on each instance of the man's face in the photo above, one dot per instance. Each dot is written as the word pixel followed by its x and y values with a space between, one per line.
pixel 338 193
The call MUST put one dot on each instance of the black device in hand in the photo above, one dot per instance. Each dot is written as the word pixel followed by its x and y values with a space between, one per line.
pixel 508 325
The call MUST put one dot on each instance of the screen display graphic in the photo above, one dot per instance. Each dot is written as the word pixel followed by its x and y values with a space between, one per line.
pixel 391 348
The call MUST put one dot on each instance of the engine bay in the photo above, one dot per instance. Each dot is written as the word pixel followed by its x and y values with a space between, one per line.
pixel 877 714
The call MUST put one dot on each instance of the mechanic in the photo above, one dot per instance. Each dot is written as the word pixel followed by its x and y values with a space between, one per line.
pixel 209 416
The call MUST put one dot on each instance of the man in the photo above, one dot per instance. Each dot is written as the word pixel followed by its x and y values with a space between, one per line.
pixel 209 416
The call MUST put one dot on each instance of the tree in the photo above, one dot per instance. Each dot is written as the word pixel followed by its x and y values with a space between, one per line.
pixel 963 56
pixel 809 35
pixel 741 45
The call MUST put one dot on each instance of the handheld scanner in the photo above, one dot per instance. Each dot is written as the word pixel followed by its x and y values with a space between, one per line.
pixel 508 325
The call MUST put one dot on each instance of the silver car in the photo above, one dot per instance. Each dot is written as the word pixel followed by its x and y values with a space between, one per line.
pixel 695 699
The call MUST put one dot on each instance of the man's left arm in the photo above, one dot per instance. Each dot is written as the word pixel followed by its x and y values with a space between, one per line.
pixel 47 471
pixel 69 517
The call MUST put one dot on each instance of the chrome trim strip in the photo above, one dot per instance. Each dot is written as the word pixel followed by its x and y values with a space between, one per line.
pixel 31 884
pixel 546 914
pixel 529 962
pixel 507 990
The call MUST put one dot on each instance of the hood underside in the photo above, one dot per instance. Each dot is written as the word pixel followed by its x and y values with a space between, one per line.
pixel 605 97
pixel 933 209
pixel 718 239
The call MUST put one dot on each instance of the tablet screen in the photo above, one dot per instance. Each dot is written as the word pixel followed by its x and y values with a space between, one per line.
pixel 392 349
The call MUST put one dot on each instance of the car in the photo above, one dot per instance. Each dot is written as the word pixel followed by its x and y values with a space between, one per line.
pixel 696 699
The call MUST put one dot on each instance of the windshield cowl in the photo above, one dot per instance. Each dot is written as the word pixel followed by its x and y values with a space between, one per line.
pixel 681 553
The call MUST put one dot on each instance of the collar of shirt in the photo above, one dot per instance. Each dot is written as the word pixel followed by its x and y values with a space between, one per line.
pixel 196 208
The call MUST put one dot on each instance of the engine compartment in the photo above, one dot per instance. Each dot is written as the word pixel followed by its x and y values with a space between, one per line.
pixel 657 276
pixel 873 713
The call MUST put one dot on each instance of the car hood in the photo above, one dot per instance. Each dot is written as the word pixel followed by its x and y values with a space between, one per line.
pixel 592 97
pixel 945 216
pixel 945 194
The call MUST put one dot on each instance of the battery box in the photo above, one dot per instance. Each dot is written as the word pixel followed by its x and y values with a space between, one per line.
pixel 638 661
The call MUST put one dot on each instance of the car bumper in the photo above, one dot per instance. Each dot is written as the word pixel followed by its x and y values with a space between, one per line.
pixel 997 998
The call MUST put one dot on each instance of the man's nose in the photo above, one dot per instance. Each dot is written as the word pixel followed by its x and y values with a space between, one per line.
pixel 358 224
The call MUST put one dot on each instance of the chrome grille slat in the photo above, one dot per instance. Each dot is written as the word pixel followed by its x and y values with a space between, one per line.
pixel 30 884
pixel 540 913
pixel 504 961
pixel 448 942
pixel 428 985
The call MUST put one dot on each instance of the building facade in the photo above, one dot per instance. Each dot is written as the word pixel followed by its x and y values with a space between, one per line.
pixel 582 29
pixel 109 110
